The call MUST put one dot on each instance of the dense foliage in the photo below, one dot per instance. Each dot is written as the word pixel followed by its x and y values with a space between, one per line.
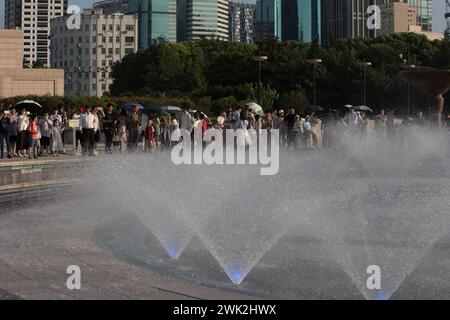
pixel 207 71
pixel 212 74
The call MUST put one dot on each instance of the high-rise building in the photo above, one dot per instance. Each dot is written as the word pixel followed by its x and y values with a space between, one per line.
pixel 157 21
pixel 396 17
pixel 400 16
pixel 112 6
pixel 33 17
pixel 242 19
pixel 301 20
pixel 268 19
pixel 289 20
pixel 203 19
pixel 424 11
pixel 343 19
pixel 88 54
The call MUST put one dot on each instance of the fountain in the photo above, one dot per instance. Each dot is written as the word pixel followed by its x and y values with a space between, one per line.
pixel 434 83
pixel 368 204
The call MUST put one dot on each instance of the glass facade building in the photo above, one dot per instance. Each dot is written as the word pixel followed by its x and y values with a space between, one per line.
pixel 424 11
pixel 289 20
pixel 268 19
pixel 157 21
pixel 203 19
pixel 242 20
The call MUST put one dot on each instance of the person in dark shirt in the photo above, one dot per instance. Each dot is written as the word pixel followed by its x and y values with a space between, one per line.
pixel 289 121
pixel 4 137
pixel 109 124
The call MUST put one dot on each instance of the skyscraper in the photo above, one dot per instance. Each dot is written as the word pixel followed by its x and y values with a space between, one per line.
pixel 343 19
pixel 289 19
pixel 268 19
pixel 242 18
pixel 424 12
pixel 33 17
pixel 157 21
pixel 203 19
pixel 301 20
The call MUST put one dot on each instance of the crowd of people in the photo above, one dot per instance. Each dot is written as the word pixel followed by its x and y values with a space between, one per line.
pixel 26 135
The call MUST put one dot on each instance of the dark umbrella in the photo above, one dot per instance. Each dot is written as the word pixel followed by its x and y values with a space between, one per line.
pixel 130 105
pixel 153 109
pixel 314 109
pixel 31 106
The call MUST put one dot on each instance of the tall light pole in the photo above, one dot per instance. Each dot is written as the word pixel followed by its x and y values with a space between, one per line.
pixel 364 65
pixel 406 64
pixel 314 62
pixel 259 59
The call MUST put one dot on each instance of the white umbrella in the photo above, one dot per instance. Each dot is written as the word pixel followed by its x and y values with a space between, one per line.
pixel 171 109
pixel 256 108
pixel 30 105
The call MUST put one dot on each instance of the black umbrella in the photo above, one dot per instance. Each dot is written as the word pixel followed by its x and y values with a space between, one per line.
pixel 314 109
pixel 31 106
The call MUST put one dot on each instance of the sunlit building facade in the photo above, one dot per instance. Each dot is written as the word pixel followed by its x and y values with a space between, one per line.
pixel 242 19
pixel 157 21
pixel 424 12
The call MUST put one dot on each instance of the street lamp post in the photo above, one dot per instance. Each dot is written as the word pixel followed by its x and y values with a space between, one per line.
pixel 259 59
pixel 406 64
pixel 314 62
pixel 364 65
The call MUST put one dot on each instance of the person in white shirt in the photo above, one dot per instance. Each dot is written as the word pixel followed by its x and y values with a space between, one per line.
pixel 78 138
pixel 174 130
pixel 88 125
pixel 186 119
pixel 23 121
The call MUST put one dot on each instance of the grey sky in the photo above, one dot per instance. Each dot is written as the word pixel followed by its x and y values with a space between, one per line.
pixel 438 11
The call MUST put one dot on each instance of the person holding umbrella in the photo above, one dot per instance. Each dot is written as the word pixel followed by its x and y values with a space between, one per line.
pixel 23 121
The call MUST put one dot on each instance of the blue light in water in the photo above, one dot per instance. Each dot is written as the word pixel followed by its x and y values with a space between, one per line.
pixel 172 250
pixel 382 295
pixel 236 275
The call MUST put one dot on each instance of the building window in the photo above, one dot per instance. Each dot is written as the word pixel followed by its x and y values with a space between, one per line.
pixel 129 27
pixel 104 27
pixel 118 27
pixel 110 39
pixel 94 51
pixel 129 39
pixel 117 39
